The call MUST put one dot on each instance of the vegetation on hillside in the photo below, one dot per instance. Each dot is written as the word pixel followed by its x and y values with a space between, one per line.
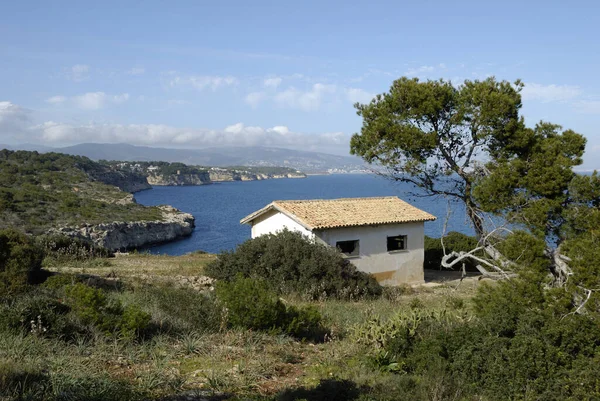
pixel 265 170
pixel 167 168
pixel 160 168
pixel 39 191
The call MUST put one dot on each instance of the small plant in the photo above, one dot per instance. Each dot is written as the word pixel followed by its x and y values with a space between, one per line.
pixel 251 304
pixel 92 306
pixel 60 249
pixel 20 262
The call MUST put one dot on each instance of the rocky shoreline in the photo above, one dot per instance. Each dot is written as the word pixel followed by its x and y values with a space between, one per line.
pixel 216 175
pixel 127 235
pixel 121 236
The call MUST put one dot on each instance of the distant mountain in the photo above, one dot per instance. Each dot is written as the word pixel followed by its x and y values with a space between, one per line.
pixel 222 156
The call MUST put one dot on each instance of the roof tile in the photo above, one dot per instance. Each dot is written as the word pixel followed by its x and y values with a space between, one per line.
pixel 346 212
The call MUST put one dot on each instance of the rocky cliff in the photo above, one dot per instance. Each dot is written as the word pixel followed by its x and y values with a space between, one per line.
pixel 214 175
pixel 220 175
pixel 179 179
pixel 129 235
pixel 124 180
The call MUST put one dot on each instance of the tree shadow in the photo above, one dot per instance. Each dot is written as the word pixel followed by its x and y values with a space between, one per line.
pixel 327 390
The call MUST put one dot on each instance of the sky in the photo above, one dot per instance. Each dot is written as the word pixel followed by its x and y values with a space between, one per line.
pixel 192 74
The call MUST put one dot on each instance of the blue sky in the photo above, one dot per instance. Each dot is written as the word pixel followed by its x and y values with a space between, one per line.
pixel 196 73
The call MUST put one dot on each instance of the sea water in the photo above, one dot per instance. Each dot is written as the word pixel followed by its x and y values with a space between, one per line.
pixel 219 207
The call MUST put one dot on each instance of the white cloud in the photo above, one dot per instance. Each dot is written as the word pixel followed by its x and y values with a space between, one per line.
pixel 57 133
pixel 424 70
pixel 56 99
pixel 355 95
pixel 550 93
pixel 310 100
pixel 272 82
pixel 202 82
pixel 13 117
pixel 255 98
pixel 120 98
pixel 79 72
pixel 98 100
pixel 16 125
pixel 136 71
pixel 588 106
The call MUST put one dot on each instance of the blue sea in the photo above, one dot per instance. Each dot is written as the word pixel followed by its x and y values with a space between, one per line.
pixel 219 207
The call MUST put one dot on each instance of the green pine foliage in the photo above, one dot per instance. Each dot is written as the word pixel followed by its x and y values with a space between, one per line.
pixel 292 263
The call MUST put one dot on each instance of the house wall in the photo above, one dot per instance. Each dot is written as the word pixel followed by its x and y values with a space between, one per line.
pixel 389 268
pixel 274 221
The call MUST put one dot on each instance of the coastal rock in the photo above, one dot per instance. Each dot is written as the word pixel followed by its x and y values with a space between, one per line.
pixel 129 235
pixel 179 179
pixel 126 181
pixel 220 175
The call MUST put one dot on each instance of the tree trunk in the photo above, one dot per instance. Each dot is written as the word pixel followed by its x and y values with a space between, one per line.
pixel 475 218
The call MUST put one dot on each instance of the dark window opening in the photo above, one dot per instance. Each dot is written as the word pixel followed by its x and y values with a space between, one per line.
pixel 348 248
pixel 396 243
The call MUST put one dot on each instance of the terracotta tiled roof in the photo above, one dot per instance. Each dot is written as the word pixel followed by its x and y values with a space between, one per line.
pixel 346 212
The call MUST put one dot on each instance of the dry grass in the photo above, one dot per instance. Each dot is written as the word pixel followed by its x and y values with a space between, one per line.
pixel 137 264
pixel 236 364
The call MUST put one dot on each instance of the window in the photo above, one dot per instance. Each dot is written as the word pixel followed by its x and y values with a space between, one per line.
pixel 348 248
pixel 396 243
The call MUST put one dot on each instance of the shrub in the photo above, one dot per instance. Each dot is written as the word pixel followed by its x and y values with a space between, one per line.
pixel 305 323
pixel 62 248
pixel 251 304
pixel 292 263
pixel 92 306
pixel 453 241
pixel 179 310
pixel 58 281
pixel 39 314
pixel 20 262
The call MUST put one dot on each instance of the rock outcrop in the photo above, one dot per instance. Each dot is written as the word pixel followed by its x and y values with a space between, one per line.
pixel 125 181
pixel 129 235
pixel 214 175
pixel 221 175
pixel 178 179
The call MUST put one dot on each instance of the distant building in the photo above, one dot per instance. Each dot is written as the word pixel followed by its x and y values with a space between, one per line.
pixel 383 236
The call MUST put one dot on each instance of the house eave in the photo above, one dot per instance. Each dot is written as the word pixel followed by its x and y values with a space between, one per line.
pixel 250 218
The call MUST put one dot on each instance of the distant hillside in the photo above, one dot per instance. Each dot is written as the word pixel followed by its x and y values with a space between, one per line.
pixel 220 157
pixel 40 191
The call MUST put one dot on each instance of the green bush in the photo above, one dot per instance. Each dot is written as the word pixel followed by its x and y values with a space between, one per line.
pixel 59 281
pixel 453 241
pixel 92 307
pixel 40 314
pixel 179 310
pixel 515 346
pixel 292 263
pixel 251 304
pixel 61 248
pixel 304 323
pixel 20 262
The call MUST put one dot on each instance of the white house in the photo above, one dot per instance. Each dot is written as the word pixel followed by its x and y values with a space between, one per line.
pixel 383 236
